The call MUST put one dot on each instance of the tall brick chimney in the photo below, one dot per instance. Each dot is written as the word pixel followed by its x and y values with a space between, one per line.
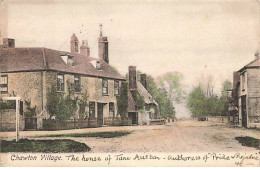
pixel 74 44
pixel 8 43
pixel 132 78
pixel 103 47
pixel 84 48
pixel 144 80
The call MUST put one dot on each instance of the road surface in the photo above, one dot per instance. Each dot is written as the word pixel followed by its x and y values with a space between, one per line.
pixel 182 136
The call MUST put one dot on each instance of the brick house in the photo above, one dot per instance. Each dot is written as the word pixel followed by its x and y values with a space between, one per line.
pixel 150 112
pixel 30 72
pixel 246 94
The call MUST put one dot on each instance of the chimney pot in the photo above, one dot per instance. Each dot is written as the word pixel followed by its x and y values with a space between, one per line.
pixel 84 48
pixel 74 44
pixel 103 47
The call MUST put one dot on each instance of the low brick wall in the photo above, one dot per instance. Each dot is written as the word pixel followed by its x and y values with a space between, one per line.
pixel 8 120
pixel 117 121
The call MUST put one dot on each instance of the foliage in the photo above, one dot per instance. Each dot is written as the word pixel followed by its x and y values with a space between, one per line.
pixel 122 99
pixel 45 146
pixel 161 96
pixel 112 134
pixel 30 111
pixel 173 81
pixel 59 106
pixel 82 104
pixel 140 102
pixel 202 104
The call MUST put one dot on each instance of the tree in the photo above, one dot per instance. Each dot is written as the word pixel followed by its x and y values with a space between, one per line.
pixel 122 99
pixel 203 102
pixel 173 81
pixel 62 107
pixel 226 85
pixel 161 96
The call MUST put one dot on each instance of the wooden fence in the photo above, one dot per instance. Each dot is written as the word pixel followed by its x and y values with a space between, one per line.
pixel 218 119
pixel 69 124
pixel 117 121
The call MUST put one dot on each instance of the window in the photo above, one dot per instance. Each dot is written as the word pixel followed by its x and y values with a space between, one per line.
pixel 116 87
pixel 60 82
pixel 111 109
pixel 4 84
pixel 243 81
pixel 70 61
pixel 104 87
pixel 77 83
pixel 91 109
pixel 98 65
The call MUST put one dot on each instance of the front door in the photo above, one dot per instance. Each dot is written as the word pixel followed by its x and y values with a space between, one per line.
pixel 133 116
pixel 244 111
pixel 100 114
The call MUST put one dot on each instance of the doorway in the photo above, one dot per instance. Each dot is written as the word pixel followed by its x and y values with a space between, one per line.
pixel 244 111
pixel 134 117
pixel 100 113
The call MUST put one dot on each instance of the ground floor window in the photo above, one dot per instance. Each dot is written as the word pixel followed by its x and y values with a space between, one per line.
pixel 111 109
pixel 91 109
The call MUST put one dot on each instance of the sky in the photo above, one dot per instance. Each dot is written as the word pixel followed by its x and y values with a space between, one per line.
pixel 194 37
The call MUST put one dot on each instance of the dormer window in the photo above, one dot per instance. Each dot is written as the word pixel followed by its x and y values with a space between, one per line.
pixel 98 65
pixel 67 59
pixel 70 61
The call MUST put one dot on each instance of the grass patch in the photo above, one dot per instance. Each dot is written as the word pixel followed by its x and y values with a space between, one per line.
pixel 94 134
pixel 46 146
pixel 249 141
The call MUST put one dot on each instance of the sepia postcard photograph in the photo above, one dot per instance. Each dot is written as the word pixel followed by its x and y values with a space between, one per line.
pixel 129 83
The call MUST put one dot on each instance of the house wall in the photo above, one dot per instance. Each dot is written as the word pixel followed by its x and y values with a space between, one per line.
pixel 253 95
pixel 34 86
pixel 28 86
pixel 252 92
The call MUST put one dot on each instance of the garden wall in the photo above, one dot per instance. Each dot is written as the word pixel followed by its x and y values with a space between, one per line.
pixel 8 120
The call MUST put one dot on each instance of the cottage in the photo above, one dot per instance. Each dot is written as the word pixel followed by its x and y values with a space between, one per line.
pixel 30 72
pixel 138 91
pixel 246 94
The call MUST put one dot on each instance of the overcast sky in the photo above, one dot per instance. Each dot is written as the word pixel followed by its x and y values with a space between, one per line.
pixel 193 37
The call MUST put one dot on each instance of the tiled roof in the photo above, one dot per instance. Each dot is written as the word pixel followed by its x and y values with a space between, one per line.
pixel 131 103
pixel 252 64
pixel 34 59
pixel 148 98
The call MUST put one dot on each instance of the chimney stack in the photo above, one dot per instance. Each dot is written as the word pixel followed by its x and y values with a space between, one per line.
pixel 132 78
pixel 103 47
pixel 74 44
pixel 84 48
pixel 8 43
pixel 144 80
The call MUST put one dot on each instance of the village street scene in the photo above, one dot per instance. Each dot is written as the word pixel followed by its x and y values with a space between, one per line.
pixel 83 78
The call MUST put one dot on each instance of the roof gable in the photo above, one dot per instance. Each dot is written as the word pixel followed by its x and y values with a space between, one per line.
pixel 148 98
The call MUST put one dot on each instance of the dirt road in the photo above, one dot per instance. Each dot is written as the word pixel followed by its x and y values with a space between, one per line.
pixel 183 136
